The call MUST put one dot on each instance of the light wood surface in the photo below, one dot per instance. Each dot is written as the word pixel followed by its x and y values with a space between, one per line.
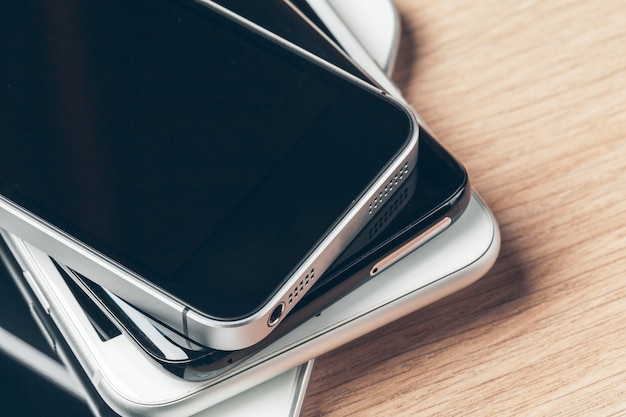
pixel 531 97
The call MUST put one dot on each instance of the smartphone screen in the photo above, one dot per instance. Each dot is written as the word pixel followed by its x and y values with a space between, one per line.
pixel 164 136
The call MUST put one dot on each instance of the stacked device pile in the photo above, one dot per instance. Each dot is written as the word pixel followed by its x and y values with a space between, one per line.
pixel 272 275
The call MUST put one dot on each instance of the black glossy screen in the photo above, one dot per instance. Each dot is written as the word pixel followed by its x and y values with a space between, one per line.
pixel 202 156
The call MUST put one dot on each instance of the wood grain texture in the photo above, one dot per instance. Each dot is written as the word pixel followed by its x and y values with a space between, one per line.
pixel 531 97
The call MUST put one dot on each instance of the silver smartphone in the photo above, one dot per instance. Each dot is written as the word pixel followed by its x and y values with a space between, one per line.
pixel 190 161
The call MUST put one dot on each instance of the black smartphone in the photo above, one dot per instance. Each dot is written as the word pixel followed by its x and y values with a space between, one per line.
pixel 189 160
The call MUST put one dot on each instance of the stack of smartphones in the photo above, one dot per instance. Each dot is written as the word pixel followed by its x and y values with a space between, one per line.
pixel 174 293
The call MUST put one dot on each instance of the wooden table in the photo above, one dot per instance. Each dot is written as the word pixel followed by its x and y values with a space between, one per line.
pixel 531 97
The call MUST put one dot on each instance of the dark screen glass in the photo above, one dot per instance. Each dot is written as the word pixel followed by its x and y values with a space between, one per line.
pixel 168 139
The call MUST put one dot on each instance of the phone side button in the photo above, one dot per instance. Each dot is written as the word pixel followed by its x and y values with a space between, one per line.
pixel 410 246
pixel 37 291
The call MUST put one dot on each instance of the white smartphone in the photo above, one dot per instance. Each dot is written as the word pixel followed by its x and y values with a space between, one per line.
pixel 190 161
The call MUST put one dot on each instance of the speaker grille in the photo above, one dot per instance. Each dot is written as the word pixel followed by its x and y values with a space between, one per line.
pixel 310 277
pixel 387 214
pixel 388 188
pixel 299 289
